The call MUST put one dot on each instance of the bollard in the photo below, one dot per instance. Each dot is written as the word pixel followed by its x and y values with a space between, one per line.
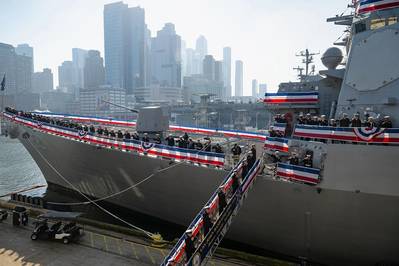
pixel 24 198
pixel 14 197
pixel 19 197
pixel 29 200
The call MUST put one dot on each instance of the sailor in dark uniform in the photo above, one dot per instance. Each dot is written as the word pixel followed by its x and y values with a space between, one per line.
pixel 146 138
pixel 253 150
pixel 120 134
pixel 333 123
pixel 92 129
pixel 157 139
pixel 323 121
pixel 222 201
pixel 308 161
pixel 190 248
pixel 127 135
pixel 100 130
pixel 236 182
pixel 386 122
pixel 356 122
pixel 301 120
pixel 217 148
pixel 207 221
pixel 191 144
pixel 171 140
pixel 112 134
pixel 106 132
pixel 199 145
pixel 370 122
pixel 344 121
pixel 294 160
pixel 136 136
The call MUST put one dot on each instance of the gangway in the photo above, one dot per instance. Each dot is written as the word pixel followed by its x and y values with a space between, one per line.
pixel 206 231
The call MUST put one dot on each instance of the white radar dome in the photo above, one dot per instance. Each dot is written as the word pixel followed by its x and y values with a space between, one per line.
pixel 332 57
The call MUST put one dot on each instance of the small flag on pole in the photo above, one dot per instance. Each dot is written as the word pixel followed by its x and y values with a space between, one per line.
pixel 3 83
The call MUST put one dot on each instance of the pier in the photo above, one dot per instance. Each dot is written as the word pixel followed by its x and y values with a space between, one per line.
pixel 97 246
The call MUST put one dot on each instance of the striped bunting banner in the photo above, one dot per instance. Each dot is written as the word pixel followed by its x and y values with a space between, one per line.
pixel 369 135
pixel 298 173
pixel 279 144
pixel 365 6
pixel 291 97
pixel 149 149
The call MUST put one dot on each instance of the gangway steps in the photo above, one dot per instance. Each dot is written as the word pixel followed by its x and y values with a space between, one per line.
pixel 205 233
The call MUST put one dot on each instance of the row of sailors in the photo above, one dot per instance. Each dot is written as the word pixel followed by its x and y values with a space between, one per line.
pixel 293 159
pixel 210 216
pixel 182 142
pixel 344 121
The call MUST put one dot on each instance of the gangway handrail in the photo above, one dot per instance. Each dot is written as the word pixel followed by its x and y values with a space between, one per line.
pixel 210 241
pixel 180 243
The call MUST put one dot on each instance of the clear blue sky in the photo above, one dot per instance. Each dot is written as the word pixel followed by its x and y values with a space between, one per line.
pixel 265 34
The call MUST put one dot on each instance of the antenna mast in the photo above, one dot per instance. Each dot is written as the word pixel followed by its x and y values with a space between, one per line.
pixel 307 60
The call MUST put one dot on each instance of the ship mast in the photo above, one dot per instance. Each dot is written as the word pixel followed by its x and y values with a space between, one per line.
pixel 307 60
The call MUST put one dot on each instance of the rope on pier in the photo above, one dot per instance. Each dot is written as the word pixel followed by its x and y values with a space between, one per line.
pixel 155 237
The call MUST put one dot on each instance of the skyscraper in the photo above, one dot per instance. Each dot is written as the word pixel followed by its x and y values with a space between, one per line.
pixel 262 90
pixel 208 66
pixel 8 67
pixel 78 59
pixel 125 46
pixel 66 77
pixel 254 88
pixel 94 72
pixel 239 90
pixel 25 50
pixel 166 57
pixel 201 50
pixel 227 71
pixel 24 74
pixel 42 81
pixel 190 54
pixel 219 71
pixel 18 71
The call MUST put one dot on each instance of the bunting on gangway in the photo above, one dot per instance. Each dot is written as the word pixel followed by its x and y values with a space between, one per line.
pixel 207 243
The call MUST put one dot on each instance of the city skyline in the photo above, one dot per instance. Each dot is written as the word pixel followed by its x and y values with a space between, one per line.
pixel 263 41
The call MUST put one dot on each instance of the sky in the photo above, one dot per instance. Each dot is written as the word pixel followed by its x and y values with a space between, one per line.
pixel 266 35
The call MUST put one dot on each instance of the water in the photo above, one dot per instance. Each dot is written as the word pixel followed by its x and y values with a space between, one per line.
pixel 18 170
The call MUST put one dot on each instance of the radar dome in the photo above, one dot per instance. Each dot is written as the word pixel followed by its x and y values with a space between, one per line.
pixel 332 58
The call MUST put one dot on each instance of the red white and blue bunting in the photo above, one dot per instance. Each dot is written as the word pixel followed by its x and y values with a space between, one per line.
pixel 279 144
pixel 143 148
pixel 291 97
pixel 298 173
pixel 366 6
pixel 369 135
pixel 177 254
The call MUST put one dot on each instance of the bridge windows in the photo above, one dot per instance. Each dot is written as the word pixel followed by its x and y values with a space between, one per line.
pixel 392 20
pixel 377 23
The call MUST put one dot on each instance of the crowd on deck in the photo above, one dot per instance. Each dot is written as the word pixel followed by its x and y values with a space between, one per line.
pixel 344 121
pixel 306 160
pixel 183 141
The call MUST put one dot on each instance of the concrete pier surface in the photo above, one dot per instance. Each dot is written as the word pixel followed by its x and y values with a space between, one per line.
pixel 94 248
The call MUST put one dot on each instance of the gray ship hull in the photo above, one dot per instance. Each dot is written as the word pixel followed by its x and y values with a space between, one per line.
pixel 333 224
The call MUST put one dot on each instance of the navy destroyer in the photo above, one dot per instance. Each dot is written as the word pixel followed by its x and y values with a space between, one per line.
pixel 341 209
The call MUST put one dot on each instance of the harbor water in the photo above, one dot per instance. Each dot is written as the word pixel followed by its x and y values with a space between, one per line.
pixel 18 171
